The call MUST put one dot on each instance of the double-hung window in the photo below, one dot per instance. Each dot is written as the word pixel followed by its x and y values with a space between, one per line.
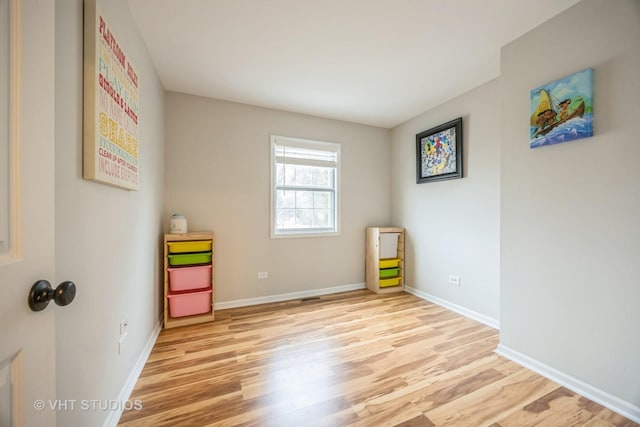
pixel 304 187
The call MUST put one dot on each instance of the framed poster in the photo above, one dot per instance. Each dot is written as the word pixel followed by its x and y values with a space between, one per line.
pixel 439 152
pixel 111 105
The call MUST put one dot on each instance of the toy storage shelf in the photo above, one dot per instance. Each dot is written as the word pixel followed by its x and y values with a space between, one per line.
pixel 188 260
pixel 384 259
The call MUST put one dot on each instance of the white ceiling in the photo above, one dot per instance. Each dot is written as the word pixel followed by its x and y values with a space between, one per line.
pixel 377 62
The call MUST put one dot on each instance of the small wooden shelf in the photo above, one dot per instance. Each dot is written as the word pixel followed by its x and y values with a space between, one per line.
pixel 173 322
pixel 372 259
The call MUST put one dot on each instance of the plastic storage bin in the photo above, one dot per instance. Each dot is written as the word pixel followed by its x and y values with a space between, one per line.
pixel 389 272
pixel 389 245
pixel 189 278
pixel 189 303
pixel 390 282
pixel 190 259
pixel 195 246
pixel 389 263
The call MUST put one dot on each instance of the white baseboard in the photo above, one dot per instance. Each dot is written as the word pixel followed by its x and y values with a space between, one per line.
pixel 607 400
pixel 127 388
pixel 286 297
pixel 495 324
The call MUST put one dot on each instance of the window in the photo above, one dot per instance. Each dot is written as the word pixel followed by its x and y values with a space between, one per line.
pixel 304 187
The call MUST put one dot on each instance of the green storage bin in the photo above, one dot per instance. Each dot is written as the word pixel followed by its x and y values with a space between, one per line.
pixel 385 273
pixel 190 259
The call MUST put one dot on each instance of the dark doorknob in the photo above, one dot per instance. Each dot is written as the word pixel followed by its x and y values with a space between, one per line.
pixel 41 293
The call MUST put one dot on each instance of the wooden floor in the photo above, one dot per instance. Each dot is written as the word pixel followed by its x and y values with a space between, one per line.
pixel 351 359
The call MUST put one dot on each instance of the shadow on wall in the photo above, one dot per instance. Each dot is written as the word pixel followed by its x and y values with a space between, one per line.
pixel 410 266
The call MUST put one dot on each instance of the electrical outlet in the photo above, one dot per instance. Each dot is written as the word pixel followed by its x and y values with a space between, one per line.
pixel 263 275
pixel 123 326
pixel 454 280
pixel 121 342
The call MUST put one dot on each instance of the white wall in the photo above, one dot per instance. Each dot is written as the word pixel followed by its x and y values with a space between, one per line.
pixel 217 166
pixel 453 226
pixel 570 229
pixel 107 239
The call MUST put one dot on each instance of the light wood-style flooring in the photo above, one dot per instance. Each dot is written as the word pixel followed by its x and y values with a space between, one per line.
pixel 350 359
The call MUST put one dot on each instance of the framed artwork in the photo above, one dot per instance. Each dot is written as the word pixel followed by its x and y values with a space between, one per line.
pixel 111 105
pixel 439 152
pixel 562 110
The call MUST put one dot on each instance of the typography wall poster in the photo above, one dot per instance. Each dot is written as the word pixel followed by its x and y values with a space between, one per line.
pixel 111 105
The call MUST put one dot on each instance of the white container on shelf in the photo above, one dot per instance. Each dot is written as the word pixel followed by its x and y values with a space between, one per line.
pixel 389 245
pixel 178 224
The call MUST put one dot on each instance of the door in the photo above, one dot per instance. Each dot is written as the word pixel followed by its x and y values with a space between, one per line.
pixel 27 338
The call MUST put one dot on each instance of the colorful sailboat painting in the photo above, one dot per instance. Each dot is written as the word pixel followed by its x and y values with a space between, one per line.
pixel 562 110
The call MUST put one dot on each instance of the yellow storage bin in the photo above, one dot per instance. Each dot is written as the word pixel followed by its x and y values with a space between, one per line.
pixel 185 247
pixel 389 263
pixel 394 281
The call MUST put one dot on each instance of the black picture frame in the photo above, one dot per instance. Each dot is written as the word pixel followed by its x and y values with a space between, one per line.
pixel 442 159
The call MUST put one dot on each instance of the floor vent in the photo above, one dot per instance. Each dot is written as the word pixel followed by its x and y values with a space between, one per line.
pixel 308 299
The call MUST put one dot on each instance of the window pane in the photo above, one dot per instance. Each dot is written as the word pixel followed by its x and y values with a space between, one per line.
pixel 321 199
pixel 289 174
pixel 304 209
pixel 285 199
pixel 304 175
pixel 279 174
pixel 304 199
pixel 321 218
pixel 321 177
pixel 304 218
pixel 285 218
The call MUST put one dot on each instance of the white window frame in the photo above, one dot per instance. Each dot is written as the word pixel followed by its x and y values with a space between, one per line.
pixel 277 140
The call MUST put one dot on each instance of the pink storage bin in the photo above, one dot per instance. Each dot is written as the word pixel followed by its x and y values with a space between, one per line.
pixel 189 278
pixel 189 303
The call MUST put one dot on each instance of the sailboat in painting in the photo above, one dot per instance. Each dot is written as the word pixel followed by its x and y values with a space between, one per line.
pixel 561 111
pixel 551 113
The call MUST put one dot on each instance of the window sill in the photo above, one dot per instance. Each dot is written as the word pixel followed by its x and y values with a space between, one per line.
pixel 306 233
